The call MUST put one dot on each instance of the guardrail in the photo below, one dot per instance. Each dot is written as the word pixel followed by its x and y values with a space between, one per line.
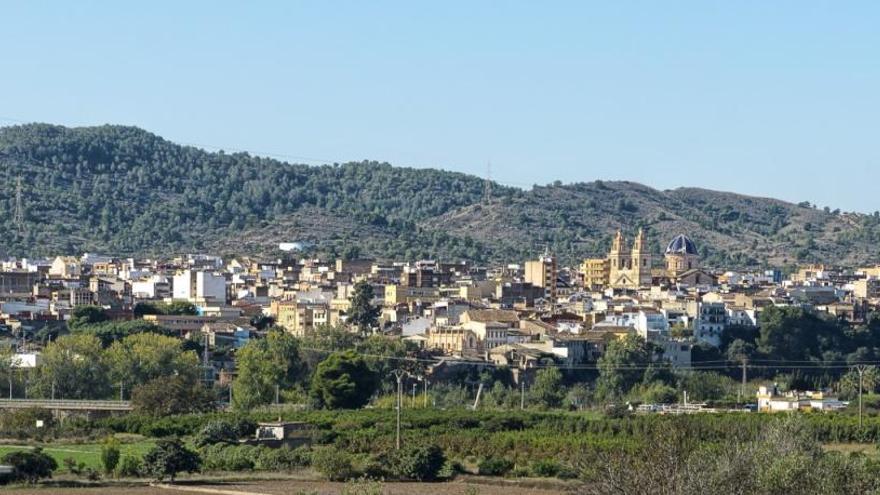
pixel 66 405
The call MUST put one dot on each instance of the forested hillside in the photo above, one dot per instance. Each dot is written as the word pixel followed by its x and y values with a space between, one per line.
pixel 121 190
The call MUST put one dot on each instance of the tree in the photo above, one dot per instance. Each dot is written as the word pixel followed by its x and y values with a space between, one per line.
pixel 547 391
pixel 578 397
pixel 109 332
pixel 168 458
pixel 174 394
pixel 139 358
pixel 110 455
pixel 180 308
pixel 848 386
pixel 73 366
pixel 30 466
pixel 172 308
pixel 363 313
pixel 622 366
pixel 6 368
pixel 263 365
pixel 343 381
pixel 86 315
pixel 420 462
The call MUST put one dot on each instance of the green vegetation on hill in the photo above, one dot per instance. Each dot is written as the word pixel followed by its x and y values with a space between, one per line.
pixel 121 190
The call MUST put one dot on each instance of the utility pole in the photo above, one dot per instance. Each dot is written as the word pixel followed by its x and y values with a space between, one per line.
pixel 522 393
pixel 18 216
pixel 487 185
pixel 414 394
pixel 277 394
pixel 861 369
pixel 426 392
pixel 399 374
pixel 742 388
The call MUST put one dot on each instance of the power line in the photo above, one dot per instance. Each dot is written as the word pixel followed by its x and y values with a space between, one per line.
pixel 708 365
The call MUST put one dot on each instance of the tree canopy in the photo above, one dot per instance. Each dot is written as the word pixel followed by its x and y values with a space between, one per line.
pixel 343 381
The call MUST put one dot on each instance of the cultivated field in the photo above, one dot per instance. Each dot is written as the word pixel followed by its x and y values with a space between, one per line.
pixel 293 487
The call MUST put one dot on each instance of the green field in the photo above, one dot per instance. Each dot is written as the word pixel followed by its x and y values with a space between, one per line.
pixel 88 453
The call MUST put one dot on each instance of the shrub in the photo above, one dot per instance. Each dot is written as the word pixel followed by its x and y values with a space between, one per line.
pixel 168 458
pixel 546 468
pixel 30 465
pixel 110 455
pixel 22 423
pixel 417 462
pixel 494 466
pixel 222 457
pixel 129 467
pixel 496 424
pixel 282 459
pixel 72 466
pixel 363 487
pixel 450 469
pixel 217 432
pixel 333 464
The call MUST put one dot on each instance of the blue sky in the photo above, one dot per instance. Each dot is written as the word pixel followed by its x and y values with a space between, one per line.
pixel 767 98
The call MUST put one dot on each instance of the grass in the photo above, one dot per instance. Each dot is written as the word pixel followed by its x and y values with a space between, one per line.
pixel 868 449
pixel 88 454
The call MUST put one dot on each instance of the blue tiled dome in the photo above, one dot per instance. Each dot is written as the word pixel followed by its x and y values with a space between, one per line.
pixel 681 245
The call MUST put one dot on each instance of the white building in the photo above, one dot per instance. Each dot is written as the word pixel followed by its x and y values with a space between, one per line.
pixel 710 323
pixel 652 325
pixel 199 286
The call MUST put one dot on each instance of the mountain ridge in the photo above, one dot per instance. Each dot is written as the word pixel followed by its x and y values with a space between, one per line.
pixel 122 190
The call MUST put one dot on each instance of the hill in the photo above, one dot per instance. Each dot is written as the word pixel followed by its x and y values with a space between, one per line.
pixel 122 190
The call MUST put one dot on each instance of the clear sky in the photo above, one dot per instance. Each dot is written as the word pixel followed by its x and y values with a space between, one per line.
pixel 768 98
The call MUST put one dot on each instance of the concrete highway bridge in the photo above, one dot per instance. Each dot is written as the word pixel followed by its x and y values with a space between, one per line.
pixel 67 405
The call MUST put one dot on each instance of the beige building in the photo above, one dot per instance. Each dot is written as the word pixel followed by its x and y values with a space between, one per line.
pixel 630 268
pixel 301 318
pixel 867 288
pixel 543 273
pixel 398 294
pixel 596 272
pixel 453 340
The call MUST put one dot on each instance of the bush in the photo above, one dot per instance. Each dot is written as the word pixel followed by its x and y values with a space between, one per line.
pixel 417 462
pixel 217 432
pixel 129 467
pixel 22 423
pixel 30 465
pixel 168 458
pixel 494 466
pixel 282 459
pixel 110 455
pixel 222 457
pixel 546 468
pixel 333 464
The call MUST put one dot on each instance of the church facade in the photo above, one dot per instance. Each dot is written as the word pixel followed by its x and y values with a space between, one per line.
pixel 630 266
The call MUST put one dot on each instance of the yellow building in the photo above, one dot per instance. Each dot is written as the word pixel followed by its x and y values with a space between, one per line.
pixel 596 273
pixel 630 268
pixel 398 294
pixel 301 318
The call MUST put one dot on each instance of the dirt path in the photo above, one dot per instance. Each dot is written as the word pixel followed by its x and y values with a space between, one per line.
pixel 198 489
